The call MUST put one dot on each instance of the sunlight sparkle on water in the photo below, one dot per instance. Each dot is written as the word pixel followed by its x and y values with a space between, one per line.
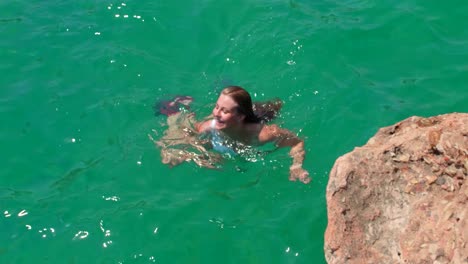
pixel 47 231
pixel 117 15
pixel 81 235
pixel 230 60
pixel 293 52
pixel 111 198
pixel 288 250
pixel 107 243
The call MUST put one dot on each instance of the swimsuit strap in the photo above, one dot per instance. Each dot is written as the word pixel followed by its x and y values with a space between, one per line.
pixel 218 142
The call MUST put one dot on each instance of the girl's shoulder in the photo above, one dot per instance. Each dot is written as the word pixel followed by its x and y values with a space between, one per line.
pixel 203 126
pixel 266 133
pixel 269 133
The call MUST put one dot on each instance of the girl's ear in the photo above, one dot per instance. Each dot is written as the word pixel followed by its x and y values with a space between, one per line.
pixel 241 117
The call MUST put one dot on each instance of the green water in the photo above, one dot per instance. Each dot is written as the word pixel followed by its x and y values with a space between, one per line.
pixel 80 182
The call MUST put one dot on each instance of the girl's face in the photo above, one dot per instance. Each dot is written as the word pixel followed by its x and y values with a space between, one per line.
pixel 225 113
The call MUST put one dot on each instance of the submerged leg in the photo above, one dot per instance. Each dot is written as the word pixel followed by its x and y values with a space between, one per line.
pixel 174 157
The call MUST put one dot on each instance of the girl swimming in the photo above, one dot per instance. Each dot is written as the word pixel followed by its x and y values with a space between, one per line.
pixel 236 121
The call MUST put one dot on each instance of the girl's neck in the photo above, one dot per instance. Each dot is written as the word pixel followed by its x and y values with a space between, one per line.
pixel 237 133
pixel 244 133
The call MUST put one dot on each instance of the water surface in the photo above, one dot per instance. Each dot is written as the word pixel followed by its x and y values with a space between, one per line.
pixel 80 181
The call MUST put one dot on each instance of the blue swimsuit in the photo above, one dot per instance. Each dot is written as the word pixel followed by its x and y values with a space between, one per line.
pixel 218 141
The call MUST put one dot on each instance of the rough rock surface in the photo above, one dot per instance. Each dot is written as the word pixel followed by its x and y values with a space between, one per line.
pixel 403 197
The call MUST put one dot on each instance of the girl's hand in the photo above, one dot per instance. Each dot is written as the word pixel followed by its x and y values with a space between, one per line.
pixel 298 173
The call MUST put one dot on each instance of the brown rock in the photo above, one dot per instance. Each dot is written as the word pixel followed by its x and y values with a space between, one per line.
pixel 431 179
pixel 402 197
pixel 451 170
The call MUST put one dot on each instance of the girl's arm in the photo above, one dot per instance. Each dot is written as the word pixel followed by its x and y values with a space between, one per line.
pixel 285 138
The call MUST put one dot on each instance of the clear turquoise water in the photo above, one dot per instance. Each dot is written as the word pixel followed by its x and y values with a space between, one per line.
pixel 80 182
